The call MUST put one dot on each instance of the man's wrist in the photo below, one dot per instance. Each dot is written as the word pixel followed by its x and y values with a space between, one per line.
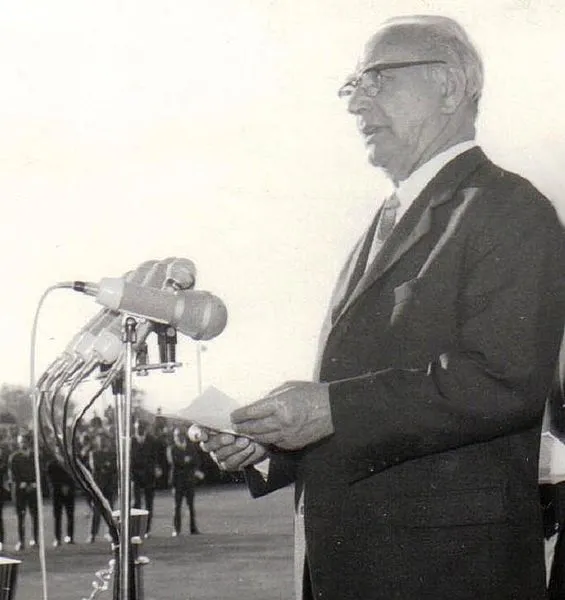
pixel 322 412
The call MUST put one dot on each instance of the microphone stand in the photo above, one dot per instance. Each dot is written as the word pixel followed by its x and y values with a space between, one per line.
pixel 125 572
pixel 128 581
pixel 127 525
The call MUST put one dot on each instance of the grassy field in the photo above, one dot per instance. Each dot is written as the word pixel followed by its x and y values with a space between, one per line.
pixel 243 553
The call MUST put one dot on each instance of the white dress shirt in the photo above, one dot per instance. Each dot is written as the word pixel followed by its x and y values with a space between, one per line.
pixel 411 187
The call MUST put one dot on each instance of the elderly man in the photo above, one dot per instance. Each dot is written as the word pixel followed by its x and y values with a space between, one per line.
pixel 415 449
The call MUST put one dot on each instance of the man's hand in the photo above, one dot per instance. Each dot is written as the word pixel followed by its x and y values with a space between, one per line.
pixel 291 416
pixel 231 452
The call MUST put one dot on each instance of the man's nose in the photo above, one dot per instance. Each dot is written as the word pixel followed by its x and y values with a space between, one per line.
pixel 357 102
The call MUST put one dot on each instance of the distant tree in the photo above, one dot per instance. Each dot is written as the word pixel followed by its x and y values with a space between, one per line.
pixel 16 399
pixel 7 418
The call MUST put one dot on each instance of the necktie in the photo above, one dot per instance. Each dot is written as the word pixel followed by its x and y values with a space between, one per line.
pixel 386 224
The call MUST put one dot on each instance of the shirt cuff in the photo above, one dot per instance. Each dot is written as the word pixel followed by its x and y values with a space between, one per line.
pixel 263 468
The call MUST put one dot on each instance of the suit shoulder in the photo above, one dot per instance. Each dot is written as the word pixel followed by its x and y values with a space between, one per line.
pixel 508 196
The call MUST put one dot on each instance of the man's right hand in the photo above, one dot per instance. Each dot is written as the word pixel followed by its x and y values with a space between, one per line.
pixel 230 451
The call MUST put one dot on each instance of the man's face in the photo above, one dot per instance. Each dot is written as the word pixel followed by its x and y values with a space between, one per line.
pixel 397 104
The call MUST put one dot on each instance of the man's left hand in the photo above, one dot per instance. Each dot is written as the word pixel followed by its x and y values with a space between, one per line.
pixel 291 416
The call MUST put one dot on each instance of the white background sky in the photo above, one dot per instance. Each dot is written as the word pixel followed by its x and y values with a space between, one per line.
pixel 141 129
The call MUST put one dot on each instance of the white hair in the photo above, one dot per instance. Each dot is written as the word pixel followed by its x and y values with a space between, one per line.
pixel 451 40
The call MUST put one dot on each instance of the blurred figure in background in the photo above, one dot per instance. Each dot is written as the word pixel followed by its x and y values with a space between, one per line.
pixel 84 446
pixel 144 468
pixel 184 474
pixel 4 487
pixel 63 494
pixel 162 442
pixel 22 476
pixel 104 468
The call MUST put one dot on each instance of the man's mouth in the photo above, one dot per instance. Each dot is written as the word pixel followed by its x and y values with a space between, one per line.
pixel 369 132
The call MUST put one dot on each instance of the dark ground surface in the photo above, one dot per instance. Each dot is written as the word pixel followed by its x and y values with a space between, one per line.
pixel 243 553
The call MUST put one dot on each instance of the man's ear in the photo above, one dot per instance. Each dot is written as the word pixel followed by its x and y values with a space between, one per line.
pixel 453 84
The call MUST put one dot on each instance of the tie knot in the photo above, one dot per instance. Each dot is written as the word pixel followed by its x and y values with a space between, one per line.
pixel 388 217
pixel 392 202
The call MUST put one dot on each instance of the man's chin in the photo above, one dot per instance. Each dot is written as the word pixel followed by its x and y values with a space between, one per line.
pixel 377 156
pixel 378 161
pixel 387 164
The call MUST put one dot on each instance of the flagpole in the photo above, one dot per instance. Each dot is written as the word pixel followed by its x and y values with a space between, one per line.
pixel 199 368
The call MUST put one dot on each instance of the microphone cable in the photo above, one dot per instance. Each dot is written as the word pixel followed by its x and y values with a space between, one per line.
pixel 39 398
pixel 84 477
pixel 35 429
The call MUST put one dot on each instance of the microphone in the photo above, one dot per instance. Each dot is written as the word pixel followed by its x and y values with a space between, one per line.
pixel 97 338
pixel 101 336
pixel 167 343
pixel 170 273
pixel 198 314
pixel 97 341
pixel 100 339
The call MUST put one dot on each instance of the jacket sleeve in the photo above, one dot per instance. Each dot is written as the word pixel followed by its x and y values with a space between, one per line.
pixel 282 471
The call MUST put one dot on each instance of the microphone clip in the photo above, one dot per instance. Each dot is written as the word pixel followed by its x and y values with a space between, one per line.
pixel 167 342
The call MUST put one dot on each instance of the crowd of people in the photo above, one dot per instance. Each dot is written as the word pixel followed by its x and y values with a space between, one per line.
pixel 161 457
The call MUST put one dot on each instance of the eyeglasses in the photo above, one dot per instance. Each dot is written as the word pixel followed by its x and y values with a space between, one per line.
pixel 369 81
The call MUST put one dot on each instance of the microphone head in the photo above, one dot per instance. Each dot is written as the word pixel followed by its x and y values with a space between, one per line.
pixel 176 273
pixel 107 347
pixel 203 317
pixel 141 272
pixel 181 274
pixel 85 337
pixel 157 275
pixel 195 313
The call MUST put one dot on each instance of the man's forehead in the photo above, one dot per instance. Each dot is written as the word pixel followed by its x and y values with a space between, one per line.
pixel 402 43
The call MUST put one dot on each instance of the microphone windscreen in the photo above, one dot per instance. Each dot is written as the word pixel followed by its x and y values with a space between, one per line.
pixel 198 314
pixel 204 315
pixel 157 274
pixel 152 303
pixel 181 273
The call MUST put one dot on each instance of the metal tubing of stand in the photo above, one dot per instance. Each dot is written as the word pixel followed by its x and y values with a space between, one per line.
pixel 118 403
pixel 129 338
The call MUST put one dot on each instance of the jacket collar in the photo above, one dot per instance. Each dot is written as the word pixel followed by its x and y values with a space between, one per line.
pixel 417 222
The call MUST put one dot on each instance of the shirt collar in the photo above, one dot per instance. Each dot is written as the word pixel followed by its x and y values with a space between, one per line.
pixel 409 189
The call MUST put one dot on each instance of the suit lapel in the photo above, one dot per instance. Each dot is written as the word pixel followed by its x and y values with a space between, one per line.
pixel 347 280
pixel 354 269
pixel 415 224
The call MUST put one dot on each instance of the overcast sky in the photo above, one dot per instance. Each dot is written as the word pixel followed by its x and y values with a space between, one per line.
pixel 139 129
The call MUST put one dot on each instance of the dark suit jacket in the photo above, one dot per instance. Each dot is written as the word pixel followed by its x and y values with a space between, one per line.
pixel 144 460
pixel 440 360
